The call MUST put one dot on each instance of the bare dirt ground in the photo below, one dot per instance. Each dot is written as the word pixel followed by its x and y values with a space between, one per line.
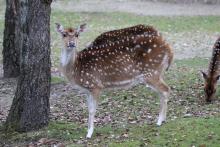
pixel 185 46
pixel 189 45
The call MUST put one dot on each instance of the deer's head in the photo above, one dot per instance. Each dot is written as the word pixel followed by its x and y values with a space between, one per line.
pixel 70 35
pixel 210 86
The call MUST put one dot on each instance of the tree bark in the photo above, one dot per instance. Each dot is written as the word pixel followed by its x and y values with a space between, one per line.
pixel 10 50
pixel 30 106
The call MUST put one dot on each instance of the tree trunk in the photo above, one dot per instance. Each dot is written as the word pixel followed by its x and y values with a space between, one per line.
pixel 10 51
pixel 30 106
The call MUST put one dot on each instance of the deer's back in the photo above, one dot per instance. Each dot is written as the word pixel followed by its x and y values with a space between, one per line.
pixel 214 66
pixel 116 35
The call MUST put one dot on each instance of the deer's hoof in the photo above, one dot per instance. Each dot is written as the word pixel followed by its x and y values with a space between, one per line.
pixel 89 134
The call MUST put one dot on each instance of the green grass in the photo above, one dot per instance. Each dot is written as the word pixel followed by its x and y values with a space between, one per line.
pixel 103 21
pixel 187 72
pixel 183 132
pixel 59 130
pixel 194 63
pixel 2 18
pixel 56 80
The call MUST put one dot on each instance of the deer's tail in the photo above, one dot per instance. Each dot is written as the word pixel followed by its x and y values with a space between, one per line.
pixel 170 56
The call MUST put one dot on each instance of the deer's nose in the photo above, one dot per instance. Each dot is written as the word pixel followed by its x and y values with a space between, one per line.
pixel 71 44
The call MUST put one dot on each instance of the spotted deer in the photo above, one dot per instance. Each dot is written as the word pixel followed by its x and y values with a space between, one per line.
pixel 136 59
pixel 213 74
pixel 115 35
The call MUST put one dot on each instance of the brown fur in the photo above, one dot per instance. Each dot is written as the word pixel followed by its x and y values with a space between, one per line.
pixel 213 72
pixel 115 35
pixel 115 56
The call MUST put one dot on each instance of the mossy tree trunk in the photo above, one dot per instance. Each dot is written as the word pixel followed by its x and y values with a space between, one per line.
pixel 10 50
pixel 30 106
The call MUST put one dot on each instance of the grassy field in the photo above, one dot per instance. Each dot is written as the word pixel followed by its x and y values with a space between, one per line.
pixel 100 22
pixel 185 132
pixel 191 122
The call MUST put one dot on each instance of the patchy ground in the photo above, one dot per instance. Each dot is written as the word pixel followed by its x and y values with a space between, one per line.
pixel 122 116
pixel 191 44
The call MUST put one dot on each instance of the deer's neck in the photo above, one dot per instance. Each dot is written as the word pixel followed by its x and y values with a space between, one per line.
pixel 67 57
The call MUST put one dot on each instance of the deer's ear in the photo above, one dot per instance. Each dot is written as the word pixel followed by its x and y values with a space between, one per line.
pixel 204 75
pixel 59 28
pixel 81 28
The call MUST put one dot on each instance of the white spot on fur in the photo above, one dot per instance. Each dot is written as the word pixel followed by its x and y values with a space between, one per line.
pixel 149 50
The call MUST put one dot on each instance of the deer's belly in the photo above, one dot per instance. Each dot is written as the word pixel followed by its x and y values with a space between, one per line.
pixel 124 84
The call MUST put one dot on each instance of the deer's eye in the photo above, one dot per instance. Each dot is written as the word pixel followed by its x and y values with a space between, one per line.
pixel 77 35
pixel 64 34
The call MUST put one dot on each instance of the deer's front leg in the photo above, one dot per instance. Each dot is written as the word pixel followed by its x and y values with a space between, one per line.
pixel 92 105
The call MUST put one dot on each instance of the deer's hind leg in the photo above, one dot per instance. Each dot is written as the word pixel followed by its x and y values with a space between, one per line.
pixel 161 87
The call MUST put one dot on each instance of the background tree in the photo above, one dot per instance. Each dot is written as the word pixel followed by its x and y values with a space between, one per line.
pixel 30 106
pixel 10 49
